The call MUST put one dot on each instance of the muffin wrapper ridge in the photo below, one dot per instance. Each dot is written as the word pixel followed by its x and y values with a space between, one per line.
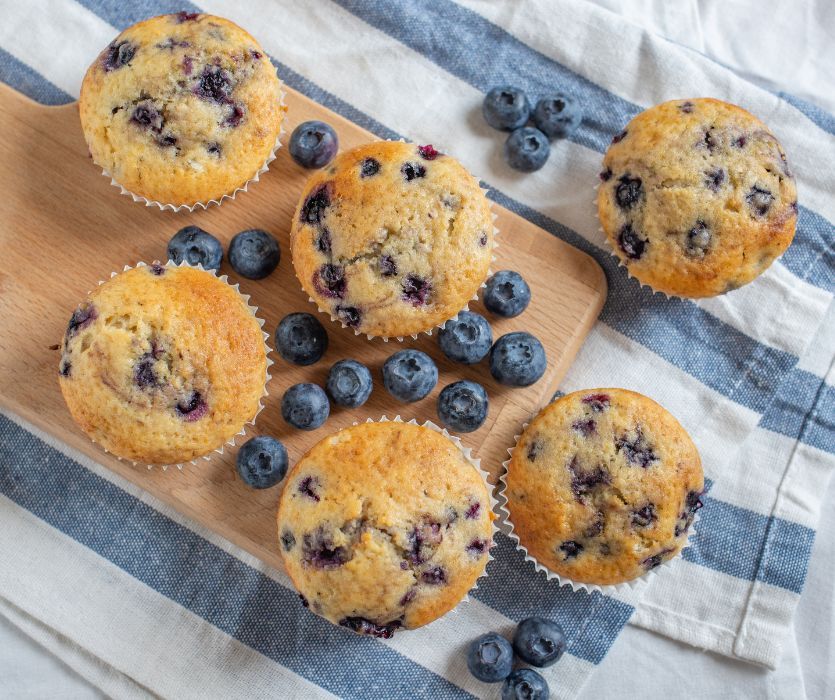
pixel 466 307
pixel 205 205
pixel 589 588
pixel 267 375
pixel 476 463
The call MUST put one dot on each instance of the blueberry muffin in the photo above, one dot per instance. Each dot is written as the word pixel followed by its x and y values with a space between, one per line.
pixel 384 526
pixel 182 109
pixel 392 239
pixel 163 364
pixel 603 486
pixel 697 198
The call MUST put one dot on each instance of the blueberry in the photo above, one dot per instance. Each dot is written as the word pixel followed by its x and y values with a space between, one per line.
pixel 697 240
pixel 517 359
pixel 759 199
pixel 388 266
pixel 262 462
pixel 525 684
pixel 466 338
pixel 539 641
pixel 507 294
pixel 638 450
pixel 192 408
pixel 714 179
pixel 490 658
pixel 214 84
pixel 462 406
pixel 254 254
pixel 351 316
pixel 506 108
pixel 301 339
pixel 557 116
pixel 349 383
pixel 527 149
pixel 369 167
pixel 314 207
pixel 416 290
pixel 193 245
pixel 313 144
pixel 409 375
pixel 571 549
pixel 146 116
pixel 631 243
pixel 628 191
pixel 118 55
pixel 82 317
pixel 644 517
pixel 305 406
pixel 329 281
pixel 412 171
pixel 361 625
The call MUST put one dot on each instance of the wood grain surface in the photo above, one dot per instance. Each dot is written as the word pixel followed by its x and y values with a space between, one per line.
pixel 64 227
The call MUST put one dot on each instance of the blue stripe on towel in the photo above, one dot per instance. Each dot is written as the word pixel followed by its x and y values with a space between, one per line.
pixel 517 591
pixel 426 26
pixel 819 116
pixel 244 603
pixel 803 409
pixel 28 81
pixel 750 546
pixel 193 572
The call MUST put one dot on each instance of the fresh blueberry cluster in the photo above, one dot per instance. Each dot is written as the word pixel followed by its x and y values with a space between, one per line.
pixel 253 253
pixel 515 359
pixel 555 116
pixel 537 641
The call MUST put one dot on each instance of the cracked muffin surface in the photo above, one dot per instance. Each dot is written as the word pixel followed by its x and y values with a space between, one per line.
pixel 384 526
pixel 181 108
pixel 393 238
pixel 161 365
pixel 696 197
pixel 603 486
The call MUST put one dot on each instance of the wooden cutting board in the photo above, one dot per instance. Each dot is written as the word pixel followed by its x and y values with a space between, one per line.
pixel 64 227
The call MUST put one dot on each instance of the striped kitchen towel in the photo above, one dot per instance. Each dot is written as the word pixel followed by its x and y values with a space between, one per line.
pixel 174 610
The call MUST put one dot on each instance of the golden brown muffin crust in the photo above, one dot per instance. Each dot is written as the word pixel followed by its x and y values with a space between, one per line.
pixel 697 198
pixel 384 525
pixel 181 108
pixel 603 486
pixel 161 365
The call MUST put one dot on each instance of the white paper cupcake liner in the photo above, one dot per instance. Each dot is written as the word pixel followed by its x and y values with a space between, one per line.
pixel 267 376
pixel 176 208
pixel 476 463
pixel 414 336
pixel 624 587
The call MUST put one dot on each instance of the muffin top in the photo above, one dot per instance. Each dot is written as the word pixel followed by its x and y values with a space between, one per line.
pixel 161 365
pixel 392 239
pixel 603 486
pixel 181 108
pixel 697 198
pixel 384 525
